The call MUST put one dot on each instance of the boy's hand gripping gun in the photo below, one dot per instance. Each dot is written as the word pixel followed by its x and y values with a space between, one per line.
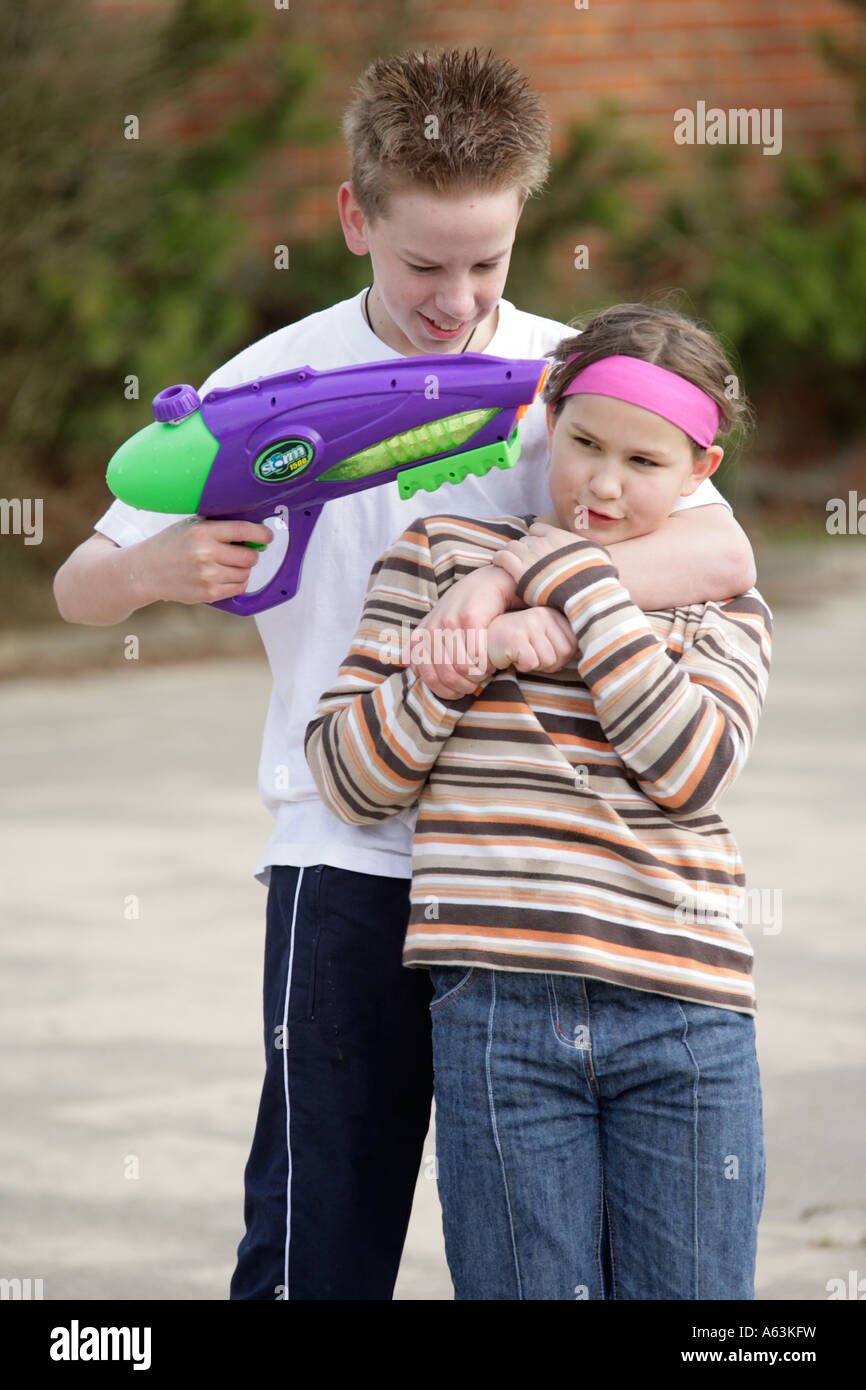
pixel 283 446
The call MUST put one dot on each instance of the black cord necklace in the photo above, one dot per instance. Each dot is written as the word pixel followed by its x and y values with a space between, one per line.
pixel 370 326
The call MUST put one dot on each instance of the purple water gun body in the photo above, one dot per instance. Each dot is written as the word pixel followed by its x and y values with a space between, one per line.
pixel 283 446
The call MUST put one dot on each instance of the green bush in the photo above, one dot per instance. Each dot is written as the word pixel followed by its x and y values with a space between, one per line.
pixel 124 256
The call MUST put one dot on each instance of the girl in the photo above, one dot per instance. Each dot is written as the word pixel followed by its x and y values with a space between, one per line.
pixel 575 893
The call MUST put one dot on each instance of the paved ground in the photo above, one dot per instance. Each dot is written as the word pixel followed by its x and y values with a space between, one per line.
pixel 131 1045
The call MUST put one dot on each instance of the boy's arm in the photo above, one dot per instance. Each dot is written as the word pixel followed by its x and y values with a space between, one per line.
pixel 697 554
pixel 191 561
pixel 683 728
pixel 183 559
pixel 378 730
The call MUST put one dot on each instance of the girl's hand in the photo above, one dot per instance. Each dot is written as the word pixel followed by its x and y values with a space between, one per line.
pixel 542 540
pixel 534 639
pixel 449 657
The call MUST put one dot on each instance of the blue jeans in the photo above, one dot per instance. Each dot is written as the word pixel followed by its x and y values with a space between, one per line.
pixel 594 1141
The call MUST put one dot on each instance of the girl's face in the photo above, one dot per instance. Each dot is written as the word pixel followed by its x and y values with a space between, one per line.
pixel 617 470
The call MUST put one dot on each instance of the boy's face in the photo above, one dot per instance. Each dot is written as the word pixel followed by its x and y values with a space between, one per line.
pixel 439 265
pixel 617 470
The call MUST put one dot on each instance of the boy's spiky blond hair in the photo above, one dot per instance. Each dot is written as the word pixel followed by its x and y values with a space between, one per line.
pixel 490 130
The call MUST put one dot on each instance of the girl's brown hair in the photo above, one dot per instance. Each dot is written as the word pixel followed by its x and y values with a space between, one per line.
pixel 450 121
pixel 660 334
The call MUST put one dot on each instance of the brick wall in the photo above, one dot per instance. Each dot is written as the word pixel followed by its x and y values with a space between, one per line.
pixel 653 56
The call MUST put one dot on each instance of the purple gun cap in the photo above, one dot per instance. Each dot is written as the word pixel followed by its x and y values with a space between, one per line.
pixel 175 403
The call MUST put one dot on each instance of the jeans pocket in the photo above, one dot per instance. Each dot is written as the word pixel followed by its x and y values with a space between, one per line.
pixel 450 982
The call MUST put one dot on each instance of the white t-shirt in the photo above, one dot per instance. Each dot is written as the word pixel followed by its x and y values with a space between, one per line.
pixel 307 637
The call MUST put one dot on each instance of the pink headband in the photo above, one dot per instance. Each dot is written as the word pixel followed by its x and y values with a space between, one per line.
pixel 654 388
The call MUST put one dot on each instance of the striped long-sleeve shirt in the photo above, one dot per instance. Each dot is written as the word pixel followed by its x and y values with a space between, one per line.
pixel 566 822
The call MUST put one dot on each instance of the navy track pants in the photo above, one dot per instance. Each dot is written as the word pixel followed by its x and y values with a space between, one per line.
pixel 346 1098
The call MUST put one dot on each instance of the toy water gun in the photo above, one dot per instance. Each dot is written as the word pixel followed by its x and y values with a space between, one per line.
pixel 283 446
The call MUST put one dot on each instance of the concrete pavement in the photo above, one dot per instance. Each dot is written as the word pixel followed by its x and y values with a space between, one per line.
pixel 131 1043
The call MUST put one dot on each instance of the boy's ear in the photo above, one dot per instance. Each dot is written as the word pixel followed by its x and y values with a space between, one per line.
pixel 352 220
pixel 703 468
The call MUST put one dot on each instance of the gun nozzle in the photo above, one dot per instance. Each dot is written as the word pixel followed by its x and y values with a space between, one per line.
pixel 522 409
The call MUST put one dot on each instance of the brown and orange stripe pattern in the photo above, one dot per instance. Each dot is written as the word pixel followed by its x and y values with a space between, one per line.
pixel 566 823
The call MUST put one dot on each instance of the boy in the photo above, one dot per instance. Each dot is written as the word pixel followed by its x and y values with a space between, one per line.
pixel 345 1105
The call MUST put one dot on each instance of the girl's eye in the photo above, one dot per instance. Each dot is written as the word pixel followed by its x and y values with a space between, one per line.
pixel 635 458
